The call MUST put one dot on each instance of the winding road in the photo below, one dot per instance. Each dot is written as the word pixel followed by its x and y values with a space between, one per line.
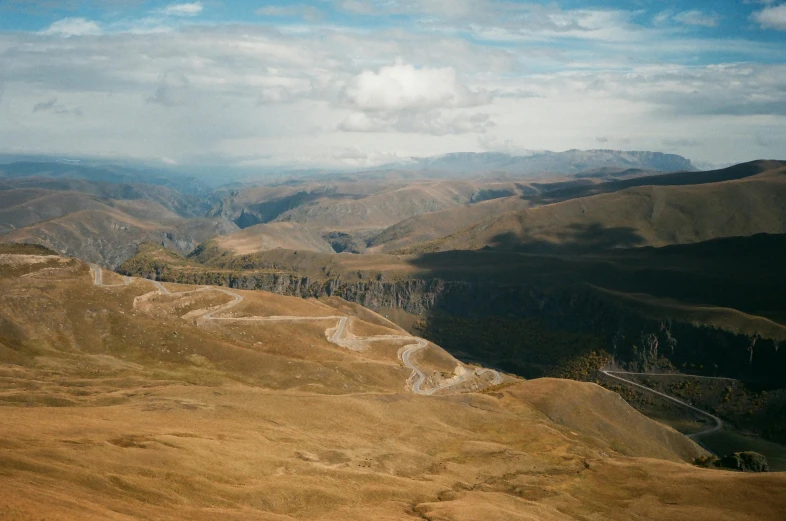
pixel 718 422
pixel 98 277
pixel 339 336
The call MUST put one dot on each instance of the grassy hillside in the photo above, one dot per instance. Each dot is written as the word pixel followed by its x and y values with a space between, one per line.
pixel 263 237
pixel 101 222
pixel 737 273
pixel 109 236
pixel 656 215
pixel 434 225
pixel 117 403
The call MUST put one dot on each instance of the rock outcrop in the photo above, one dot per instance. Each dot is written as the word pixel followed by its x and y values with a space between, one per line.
pixel 745 462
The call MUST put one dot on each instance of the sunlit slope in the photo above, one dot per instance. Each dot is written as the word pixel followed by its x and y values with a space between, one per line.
pixel 263 237
pixel 362 205
pixel 102 222
pixel 383 209
pixel 646 215
pixel 434 225
pixel 124 402
pixel 110 235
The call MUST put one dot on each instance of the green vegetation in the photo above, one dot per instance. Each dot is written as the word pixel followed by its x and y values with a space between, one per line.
pixel 25 249
pixel 522 346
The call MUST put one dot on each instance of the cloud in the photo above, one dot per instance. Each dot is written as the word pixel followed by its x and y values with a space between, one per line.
pixel 224 92
pixel 358 157
pixel 359 7
pixel 166 94
pixel 404 98
pixel 696 17
pixel 283 95
pixel 744 89
pixel 74 27
pixel 684 142
pixel 432 122
pixel 693 17
pixel 53 107
pixel 45 105
pixel 771 17
pixel 188 9
pixel 492 143
pixel 163 96
pixel 404 87
pixel 605 140
pixel 307 12
pixel 500 20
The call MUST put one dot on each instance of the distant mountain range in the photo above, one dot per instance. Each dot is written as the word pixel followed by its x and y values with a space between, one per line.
pixel 568 162
pixel 109 173
pixel 198 178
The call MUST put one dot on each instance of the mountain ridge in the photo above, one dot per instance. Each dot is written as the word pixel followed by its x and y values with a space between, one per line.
pixel 538 162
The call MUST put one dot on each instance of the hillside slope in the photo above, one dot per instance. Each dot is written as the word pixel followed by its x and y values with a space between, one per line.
pixel 101 222
pixel 109 235
pixel 434 225
pixel 124 402
pixel 263 237
pixel 646 215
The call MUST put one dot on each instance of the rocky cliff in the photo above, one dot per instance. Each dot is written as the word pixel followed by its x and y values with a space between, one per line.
pixel 635 340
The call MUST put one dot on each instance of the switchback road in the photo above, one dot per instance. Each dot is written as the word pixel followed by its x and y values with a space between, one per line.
pixel 336 334
pixel 718 422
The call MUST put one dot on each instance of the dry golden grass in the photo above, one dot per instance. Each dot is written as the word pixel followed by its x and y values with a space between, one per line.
pixel 646 215
pixel 262 237
pixel 111 412
pixel 434 225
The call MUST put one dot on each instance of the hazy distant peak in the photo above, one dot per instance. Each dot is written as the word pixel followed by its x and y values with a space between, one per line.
pixel 536 162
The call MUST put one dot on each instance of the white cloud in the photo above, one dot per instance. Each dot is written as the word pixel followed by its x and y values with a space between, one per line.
pixel 696 17
pixel 188 9
pixel 359 7
pixel 500 20
pixel 403 87
pixel 74 27
pixel 246 93
pixel 404 98
pixel 307 12
pixel 772 17
pixel 426 122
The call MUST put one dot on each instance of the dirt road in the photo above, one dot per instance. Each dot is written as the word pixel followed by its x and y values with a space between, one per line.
pixel 98 277
pixel 718 422
pixel 339 335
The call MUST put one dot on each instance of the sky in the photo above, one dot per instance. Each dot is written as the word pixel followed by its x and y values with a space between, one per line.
pixel 358 83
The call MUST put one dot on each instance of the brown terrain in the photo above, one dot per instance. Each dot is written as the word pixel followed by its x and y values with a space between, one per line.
pixel 675 272
pixel 100 222
pixel 575 215
pixel 121 399
pixel 672 209
pixel 263 237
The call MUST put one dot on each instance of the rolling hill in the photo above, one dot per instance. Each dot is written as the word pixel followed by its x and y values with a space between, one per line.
pixel 98 221
pixel 435 225
pixel 354 204
pixel 747 201
pixel 77 208
pixel 263 237
pixel 121 399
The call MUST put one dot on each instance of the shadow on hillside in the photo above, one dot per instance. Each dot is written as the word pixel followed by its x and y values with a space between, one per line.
pixel 743 273
pixel 574 189
pixel 578 238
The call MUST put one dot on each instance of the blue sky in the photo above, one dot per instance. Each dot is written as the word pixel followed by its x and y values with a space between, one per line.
pixel 361 82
